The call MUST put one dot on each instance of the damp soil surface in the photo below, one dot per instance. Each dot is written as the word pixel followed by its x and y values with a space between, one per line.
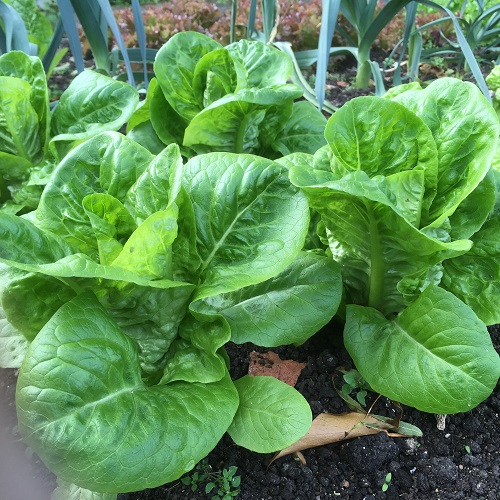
pixel 460 462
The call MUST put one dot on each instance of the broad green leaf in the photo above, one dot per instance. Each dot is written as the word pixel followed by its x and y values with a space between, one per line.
pixel 286 309
pixel 13 344
pixel 83 408
pixel 475 277
pixel 368 236
pixel 140 127
pixel 251 222
pixel 186 260
pixel 24 242
pixel 214 76
pixel 196 356
pixel 382 137
pixel 69 491
pixel 436 356
pixel 111 222
pixel 29 248
pixel 471 214
pixel 465 129
pixel 20 131
pixel 271 415
pixel 399 89
pixel 493 79
pixel 296 159
pixel 150 315
pixel 109 163
pixel 243 122
pixel 145 135
pixel 92 103
pixel 82 266
pixel 148 251
pixel 175 66
pixel 158 186
pixel 166 122
pixel 265 65
pixel 31 300
pixel 19 65
pixel 304 132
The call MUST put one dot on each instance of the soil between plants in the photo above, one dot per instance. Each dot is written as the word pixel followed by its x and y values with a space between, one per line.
pixel 461 462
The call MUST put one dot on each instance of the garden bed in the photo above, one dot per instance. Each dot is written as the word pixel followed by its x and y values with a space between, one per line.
pixel 461 461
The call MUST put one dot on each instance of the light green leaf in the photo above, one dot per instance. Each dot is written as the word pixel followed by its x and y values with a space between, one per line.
pixel 83 408
pixel 368 236
pixel 109 163
pixel 214 77
pixel 304 131
pixel 381 137
pixel 92 103
pixel 111 223
pixel 475 277
pixel 19 65
pixel 265 65
pixel 158 186
pixel 465 129
pixel 243 122
pixel 148 251
pixel 271 415
pixel 286 309
pixel 175 66
pixel 493 79
pixel 436 356
pixel 251 222
pixel 20 131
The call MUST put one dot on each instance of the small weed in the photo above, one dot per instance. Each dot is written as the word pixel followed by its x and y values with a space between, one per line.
pixel 387 482
pixel 353 381
pixel 467 448
pixel 223 483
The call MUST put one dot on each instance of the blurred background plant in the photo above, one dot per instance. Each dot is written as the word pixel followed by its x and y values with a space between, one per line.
pixel 122 37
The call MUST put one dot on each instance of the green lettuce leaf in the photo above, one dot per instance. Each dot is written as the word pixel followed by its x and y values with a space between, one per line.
pixel 465 129
pixel 265 65
pixel 475 276
pixel 436 356
pixel 13 344
pixel 271 415
pixel 84 409
pixel 92 103
pixel 175 66
pixel 381 137
pixel 251 222
pixel 285 309
pixel 304 132
pixel 244 122
pixel 370 237
pixel 109 163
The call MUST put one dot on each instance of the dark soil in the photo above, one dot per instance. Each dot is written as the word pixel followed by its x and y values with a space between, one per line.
pixel 461 462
